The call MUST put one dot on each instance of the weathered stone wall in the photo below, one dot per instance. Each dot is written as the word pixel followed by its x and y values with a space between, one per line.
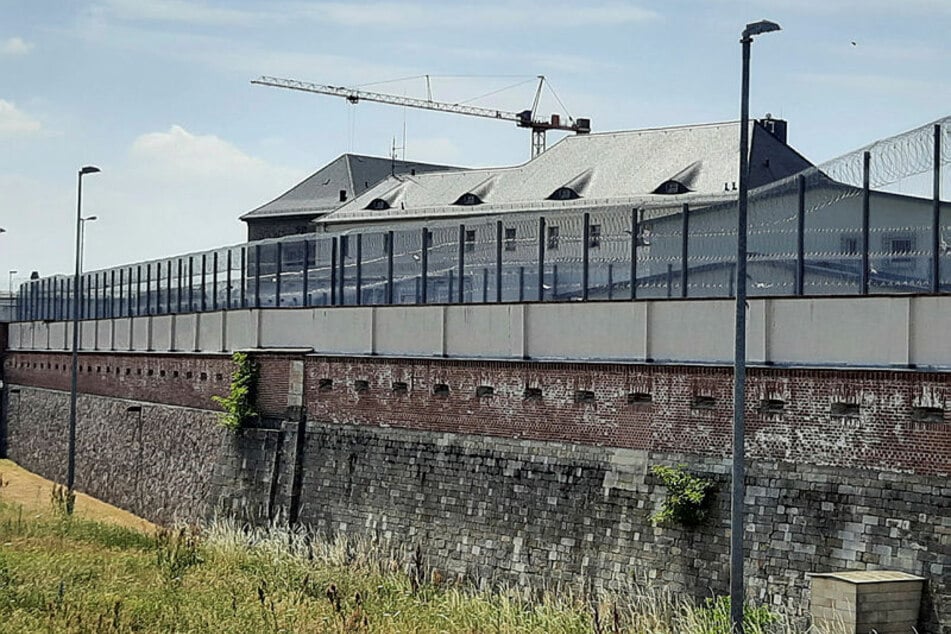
pixel 849 471
pixel 546 514
pixel 156 462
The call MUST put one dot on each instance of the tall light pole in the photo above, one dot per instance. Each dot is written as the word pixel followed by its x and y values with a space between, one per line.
pixel 71 449
pixel 737 595
pixel 82 239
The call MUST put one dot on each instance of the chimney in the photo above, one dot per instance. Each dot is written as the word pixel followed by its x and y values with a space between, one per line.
pixel 776 127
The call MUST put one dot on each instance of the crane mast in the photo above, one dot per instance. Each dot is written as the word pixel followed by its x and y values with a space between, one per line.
pixel 523 119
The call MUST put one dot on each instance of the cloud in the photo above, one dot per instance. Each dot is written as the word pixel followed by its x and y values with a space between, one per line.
pixel 172 192
pixel 14 122
pixel 384 14
pixel 15 46
pixel 477 16
pixel 174 179
pixel 179 11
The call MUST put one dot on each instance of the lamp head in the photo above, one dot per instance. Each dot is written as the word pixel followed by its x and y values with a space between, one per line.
pixel 89 169
pixel 13 272
pixel 90 218
pixel 758 28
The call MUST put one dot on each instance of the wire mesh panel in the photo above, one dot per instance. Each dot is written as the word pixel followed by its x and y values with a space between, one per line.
pixel 609 254
pixel 374 259
pixel 406 247
pixel 291 266
pixel 442 264
pixel 520 258
pixel 478 239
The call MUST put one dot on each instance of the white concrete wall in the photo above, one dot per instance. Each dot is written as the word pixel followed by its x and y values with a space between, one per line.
pixel 836 331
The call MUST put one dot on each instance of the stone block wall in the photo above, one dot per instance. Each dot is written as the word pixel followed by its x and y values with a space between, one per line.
pixel 156 461
pixel 553 514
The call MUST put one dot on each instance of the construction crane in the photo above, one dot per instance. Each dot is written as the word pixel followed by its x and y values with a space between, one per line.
pixel 523 119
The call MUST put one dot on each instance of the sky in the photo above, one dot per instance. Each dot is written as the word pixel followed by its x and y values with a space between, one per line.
pixel 157 94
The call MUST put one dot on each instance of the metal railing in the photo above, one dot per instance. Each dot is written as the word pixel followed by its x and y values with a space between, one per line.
pixel 816 233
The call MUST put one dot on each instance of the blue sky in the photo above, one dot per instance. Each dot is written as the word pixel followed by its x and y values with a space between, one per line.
pixel 157 94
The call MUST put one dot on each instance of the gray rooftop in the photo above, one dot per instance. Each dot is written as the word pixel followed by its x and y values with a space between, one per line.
pixel 320 192
pixel 600 168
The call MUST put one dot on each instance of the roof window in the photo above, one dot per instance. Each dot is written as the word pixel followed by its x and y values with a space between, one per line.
pixel 378 204
pixel 564 193
pixel 468 199
pixel 672 187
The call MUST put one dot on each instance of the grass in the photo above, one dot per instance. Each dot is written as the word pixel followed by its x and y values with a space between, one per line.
pixel 74 574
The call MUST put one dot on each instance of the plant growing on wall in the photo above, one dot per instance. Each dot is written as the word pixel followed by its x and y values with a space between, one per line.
pixel 688 497
pixel 238 405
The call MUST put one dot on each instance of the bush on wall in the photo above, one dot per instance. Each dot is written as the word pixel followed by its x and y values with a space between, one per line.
pixel 238 405
pixel 688 497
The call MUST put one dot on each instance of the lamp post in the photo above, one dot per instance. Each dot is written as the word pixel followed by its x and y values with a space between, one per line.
pixel 739 348
pixel 82 239
pixel 71 450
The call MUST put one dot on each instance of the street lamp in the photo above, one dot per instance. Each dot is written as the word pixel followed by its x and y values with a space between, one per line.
pixel 82 240
pixel 739 348
pixel 71 450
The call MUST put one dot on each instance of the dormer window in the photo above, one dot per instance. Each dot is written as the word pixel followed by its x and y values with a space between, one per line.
pixel 671 187
pixel 468 200
pixel 564 193
pixel 378 204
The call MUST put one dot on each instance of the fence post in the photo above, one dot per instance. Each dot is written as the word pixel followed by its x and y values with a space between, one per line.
pixel 610 280
pixel 424 267
pixel 178 288
pixel 670 280
pixel 228 289
pixel 485 285
pixel 257 276
pixel 129 308
pixel 498 260
pixel 204 282
pixel 866 197
pixel 244 278
pixel 304 274
pixel 585 254
pixel 214 280
pixel 541 259
pixel 148 288
pixel 684 250
pixel 801 236
pixel 936 214
pixel 462 263
pixel 521 283
pixel 635 229
pixel 358 283
pixel 333 271
pixel 168 287
pixel 138 290
pixel 278 265
pixel 389 267
pixel 343 245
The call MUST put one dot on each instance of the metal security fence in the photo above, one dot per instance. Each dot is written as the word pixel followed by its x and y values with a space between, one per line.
pixel 835 229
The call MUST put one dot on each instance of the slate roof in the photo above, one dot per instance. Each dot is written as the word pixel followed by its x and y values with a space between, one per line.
pixel 320 192
pixel 601 168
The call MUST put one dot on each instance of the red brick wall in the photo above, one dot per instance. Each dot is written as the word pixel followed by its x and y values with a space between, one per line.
pixel 885 433
pixel 186 380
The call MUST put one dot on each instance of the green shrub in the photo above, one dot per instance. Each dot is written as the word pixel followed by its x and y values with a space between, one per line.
pixel 238 405
pixel 688 497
